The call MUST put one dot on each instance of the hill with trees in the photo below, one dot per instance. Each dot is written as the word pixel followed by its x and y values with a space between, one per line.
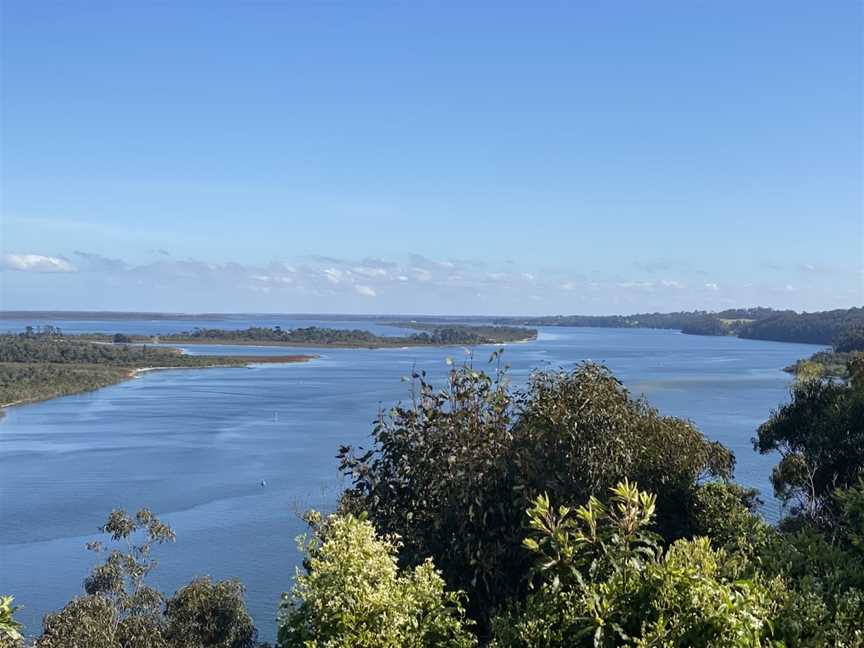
pixel 824 327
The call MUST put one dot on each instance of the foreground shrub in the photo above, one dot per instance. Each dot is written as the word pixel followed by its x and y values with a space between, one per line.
pixel 603 581
pixel 10 629
pixel 353 594
pixel 726 514
pixel 823 566
pixel 120 610
pixel 204 613
pixel 453 471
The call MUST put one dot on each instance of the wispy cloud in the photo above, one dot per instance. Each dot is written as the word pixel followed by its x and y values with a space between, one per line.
pixel 366 291
pixel 412 283
pixel 36 263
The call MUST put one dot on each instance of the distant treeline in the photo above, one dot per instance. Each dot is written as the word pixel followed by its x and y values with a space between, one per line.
pixel 677 320
pixel 826 327
pixel 843 328
pixel 20 348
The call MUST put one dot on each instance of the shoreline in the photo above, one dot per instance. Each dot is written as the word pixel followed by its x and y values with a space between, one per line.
pixel 130 373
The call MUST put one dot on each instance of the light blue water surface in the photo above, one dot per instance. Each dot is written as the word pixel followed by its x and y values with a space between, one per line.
pixel 194 446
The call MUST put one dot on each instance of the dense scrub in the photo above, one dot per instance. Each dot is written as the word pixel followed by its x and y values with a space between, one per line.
pixel 24 381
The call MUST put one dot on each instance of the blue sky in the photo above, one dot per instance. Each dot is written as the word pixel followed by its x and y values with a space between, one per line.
pixel 416 157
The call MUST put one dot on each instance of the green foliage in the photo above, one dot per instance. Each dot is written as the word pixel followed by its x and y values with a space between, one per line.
pixel 850 516
pixel 708 325
pixel 725 513
pixel 579 433
pixel 204 613
pixel 850 339
pixel 592 539
pixel 93 621
pixel 820 437
pixel 440 476
pixel 354 595
pixel 822 564
pixel 606 583
pixel 120 610
pixel 824 601
pixel 10 629
pixel 453 472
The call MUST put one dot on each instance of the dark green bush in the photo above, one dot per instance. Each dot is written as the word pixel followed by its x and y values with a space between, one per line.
pixel 453 471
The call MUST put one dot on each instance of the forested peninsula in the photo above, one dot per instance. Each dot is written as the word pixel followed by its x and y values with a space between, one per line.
pixel 38 365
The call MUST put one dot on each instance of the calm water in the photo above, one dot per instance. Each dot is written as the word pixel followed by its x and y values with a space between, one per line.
pixel 194 445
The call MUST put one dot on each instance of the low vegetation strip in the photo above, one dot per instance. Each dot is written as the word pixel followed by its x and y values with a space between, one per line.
pixel 22 382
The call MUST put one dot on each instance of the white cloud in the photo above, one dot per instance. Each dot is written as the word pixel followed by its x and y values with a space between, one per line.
pixel 36 263
pixel 639 285
pixel 712 286
pixel 333 275
pixel 366 291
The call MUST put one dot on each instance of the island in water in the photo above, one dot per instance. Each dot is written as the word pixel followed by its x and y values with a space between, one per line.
pixel 430 334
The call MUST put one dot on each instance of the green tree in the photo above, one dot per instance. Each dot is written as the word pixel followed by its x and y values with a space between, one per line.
pixel 204 613
pixel 819 435
pixel 353 594
pixel 453 471
pixel 120 610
